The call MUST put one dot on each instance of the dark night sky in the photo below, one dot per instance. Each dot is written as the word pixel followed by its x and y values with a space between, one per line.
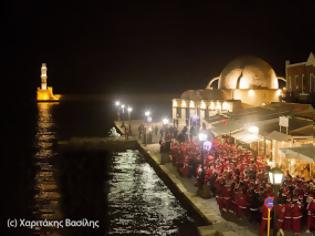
pixel 148 46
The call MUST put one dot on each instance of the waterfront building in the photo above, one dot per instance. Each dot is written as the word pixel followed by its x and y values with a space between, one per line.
pixel 301 76
pixel 246 81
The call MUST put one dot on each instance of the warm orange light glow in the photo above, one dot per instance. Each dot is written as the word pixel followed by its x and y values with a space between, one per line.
pixel 202 105
pixel 47 95
pixel 191 104
pixel 251 93
pixel 184 104
pixel 244 83
pixel 175 103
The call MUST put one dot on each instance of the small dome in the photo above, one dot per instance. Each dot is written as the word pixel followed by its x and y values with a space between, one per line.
pixel 248 72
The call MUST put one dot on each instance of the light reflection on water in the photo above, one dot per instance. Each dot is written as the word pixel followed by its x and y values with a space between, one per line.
pixel 47 197
pixel 139 202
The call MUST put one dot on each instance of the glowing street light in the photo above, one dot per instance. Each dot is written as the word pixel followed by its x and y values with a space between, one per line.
pixel 275 176
pixel 147 113
pixel 123 107
pixel 202 137
pixel 149 119
pixel 117 103
pixel 165 121
pixel 253 130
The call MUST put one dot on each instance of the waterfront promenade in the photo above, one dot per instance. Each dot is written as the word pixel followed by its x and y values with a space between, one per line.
pixel 206 208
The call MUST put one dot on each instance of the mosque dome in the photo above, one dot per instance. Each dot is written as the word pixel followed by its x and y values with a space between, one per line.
pixel 248 72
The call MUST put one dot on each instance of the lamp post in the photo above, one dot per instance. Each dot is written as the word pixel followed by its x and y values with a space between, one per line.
pixel 117 104
pixel 203 190
pixel 149 119
pixel 165 122
pixel 275 179
pixel 146 116
pixel 122 106
pixel 129 109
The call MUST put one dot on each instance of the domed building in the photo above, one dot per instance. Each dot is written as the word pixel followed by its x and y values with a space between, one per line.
pixel 246 81
pixel 248 72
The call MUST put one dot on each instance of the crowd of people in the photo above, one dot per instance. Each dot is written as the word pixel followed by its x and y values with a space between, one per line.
pixel 238 179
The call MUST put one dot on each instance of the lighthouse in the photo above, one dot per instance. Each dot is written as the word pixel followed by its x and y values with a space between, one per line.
pixel 44 92
pixel 43 76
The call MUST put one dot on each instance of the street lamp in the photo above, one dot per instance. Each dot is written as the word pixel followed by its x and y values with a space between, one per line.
pixel 146 119
pixel 129 109
pixel 117 104
pixel 275 179
pixel 165 121
pixel 203 190
pixel 122 106
pixel 147 113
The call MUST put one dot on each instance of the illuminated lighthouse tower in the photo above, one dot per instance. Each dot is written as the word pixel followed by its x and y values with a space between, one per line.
pixel 45 93
pixel 43 76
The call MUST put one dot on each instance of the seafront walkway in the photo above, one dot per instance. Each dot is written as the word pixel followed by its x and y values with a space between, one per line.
pixel 206 208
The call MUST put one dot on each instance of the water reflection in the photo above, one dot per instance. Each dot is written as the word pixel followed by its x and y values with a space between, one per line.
pixel 139 202
pixel 47 193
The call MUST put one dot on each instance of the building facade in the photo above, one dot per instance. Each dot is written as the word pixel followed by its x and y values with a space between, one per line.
pixel 246 81
pixel 301 76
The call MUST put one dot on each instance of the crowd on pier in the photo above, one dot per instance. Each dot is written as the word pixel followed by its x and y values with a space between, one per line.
pixel 238 179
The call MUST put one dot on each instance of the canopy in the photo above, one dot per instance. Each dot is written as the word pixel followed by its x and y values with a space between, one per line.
pixel 278 136
pixel 305 153
pixel 246 137
pixel 221 128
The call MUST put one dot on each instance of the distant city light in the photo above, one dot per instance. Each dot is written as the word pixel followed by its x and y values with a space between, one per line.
pixel 129 109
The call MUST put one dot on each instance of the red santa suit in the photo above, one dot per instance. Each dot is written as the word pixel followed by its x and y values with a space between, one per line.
pixel 242 203
pixel 280 212
pixel 287 224
pixel 296 217
pixel 310 223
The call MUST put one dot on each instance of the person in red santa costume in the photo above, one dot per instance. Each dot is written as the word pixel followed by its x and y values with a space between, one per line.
pixel 310 223
pixel 287 224
pixel 296 216
pixel 280 212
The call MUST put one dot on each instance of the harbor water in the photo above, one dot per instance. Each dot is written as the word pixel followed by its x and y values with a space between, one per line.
pixel 120 190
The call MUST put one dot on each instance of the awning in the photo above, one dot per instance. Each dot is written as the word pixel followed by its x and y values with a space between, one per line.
pixel 246 137
pixel 278 136
pixel 230 126
pixel 305 153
